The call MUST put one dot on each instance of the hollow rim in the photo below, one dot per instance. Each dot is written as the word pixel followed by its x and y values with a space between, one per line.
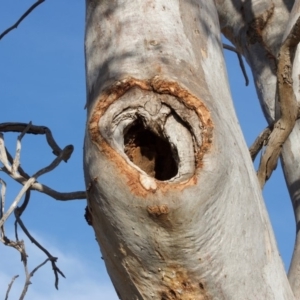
pixel 159 86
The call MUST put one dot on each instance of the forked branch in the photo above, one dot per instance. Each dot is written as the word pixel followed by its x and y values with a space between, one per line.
pixel 10 285
pixel 12 167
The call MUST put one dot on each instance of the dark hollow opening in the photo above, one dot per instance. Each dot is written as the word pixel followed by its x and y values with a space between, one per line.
pixel 150 152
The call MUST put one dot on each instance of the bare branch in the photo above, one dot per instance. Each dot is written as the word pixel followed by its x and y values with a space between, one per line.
pixel 10 285
pixel 16 201
pixel 13 169
pixel 19 127
pixel 28 11
pixel 233 49
pixel 22 177
pixel 19 211
pixel 2 203
pixel 16 161
pixel 50 192
pixel 64 155
pixel 27 280
pixel 53 259
pixel 262 139
pixel 25 203
pixel 3 156
pixel 2 196
pixel 288 105
pixel 260 142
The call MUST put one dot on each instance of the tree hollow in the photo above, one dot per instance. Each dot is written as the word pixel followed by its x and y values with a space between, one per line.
pixel 150 152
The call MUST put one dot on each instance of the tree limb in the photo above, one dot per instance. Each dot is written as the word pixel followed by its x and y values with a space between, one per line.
pixel 27 12
pixel 263 137
pixel 287 103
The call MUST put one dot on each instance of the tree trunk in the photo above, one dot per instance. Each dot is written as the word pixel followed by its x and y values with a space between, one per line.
pixel 259 35
pixel 175 202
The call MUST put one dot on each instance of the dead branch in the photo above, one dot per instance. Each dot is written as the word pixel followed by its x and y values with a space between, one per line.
pixel 22 177
pixel 64 155
pixel 11 166
pixel 27 280
pixel 45 189
pixel 16 161
pixel 2 205
pixel 34 129
pixel 233 49
pixel 260 141
pixel 20 211
pixel 287 104
pixel 51 258
pixel 27 12
pixel 10 285
pixel 263 138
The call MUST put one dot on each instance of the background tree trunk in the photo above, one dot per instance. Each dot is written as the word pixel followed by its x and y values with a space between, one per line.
pixel 175 202
pixel 258 34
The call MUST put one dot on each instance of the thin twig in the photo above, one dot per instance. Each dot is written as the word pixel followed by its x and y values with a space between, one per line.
pixel 53 259
pixel 16 161
pixel 228 47
pixel 25 203
pixel 20 210
pixel 2 203
pixel 2 196
pixel 3 156
pixel 11 161
pixel 27 280
pixel 10 285
pixel 28 11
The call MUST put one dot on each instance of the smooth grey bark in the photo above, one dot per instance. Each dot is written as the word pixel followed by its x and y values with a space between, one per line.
pixel 259 35
pixel 155 69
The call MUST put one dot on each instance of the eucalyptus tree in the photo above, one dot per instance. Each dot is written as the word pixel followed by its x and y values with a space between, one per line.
pixel 173 197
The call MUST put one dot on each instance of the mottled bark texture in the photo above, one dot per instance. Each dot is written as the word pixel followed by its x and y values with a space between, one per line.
pixel 259 29
pixel 175 202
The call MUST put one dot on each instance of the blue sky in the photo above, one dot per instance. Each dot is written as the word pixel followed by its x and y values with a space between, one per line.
pixel 42 80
